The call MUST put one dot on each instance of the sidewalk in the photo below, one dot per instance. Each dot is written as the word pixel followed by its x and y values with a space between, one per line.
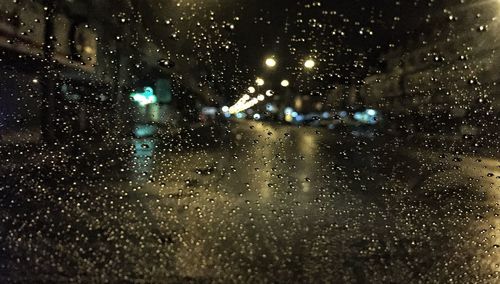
pixel 486 145
pixel 31 154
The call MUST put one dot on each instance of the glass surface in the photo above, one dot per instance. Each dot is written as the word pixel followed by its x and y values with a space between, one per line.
pixel 232 141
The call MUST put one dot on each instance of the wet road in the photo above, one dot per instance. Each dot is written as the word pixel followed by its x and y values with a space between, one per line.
pixel 254 203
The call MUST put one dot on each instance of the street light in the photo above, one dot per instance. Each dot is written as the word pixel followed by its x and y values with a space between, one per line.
pixel 251 90
pixel 260 82
pixel 309 64
pixel 145 98
pixel 270 62
pixel 285 83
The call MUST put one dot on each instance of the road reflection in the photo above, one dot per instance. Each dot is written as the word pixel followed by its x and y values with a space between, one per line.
pixel 252 202
pixel 277 198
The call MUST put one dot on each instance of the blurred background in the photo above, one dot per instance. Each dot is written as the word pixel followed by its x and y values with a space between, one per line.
pixel 76 67
pixel 249 141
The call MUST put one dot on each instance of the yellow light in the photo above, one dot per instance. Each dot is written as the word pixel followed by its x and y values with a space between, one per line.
pixel 285 83
pixel 88 49
pixel 270 62
pixel 260 82
pixel 309 64
pixel 251 90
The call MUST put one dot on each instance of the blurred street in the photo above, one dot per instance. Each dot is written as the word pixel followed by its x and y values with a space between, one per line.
pixel 253 202
pixel 176 141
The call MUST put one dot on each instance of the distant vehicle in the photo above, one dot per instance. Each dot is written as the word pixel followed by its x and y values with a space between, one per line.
pixel 367 116
pixel 312 119
pixel 208 115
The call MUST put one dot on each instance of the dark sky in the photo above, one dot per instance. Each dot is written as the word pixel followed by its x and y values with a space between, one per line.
pixel 232 38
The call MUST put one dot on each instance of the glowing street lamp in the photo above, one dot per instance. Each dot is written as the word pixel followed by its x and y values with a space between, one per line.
pixel 145 98
pixel 259 82
pixel 271 62
pixel 285 83
pixel 309 64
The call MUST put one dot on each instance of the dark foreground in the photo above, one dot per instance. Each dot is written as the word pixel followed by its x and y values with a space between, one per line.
pixel 252 203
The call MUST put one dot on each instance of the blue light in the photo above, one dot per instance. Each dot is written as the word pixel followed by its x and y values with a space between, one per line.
pixel 371 112
pixel 325 115
pixel 145 98
pixel 343 113
pixel 299 117
pixel 358 116
pixel 270 107
pixel 288 110
pixel 295 114
pixel 144 131
pixel 366 117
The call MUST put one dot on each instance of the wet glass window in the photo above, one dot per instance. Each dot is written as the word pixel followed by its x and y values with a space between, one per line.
pixel 306 141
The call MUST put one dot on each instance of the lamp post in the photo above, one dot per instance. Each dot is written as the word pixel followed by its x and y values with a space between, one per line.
pixel 260 82
pixel 309 63
pixel 270 62
pixel 48 104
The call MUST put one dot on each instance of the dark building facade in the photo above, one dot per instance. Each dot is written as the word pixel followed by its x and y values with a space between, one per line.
pixel 448 73
pixel 68 68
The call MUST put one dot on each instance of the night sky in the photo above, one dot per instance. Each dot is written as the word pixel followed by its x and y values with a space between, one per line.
pixel 230 39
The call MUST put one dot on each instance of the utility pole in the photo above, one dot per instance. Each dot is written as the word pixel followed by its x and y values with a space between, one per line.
pixel 48 104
